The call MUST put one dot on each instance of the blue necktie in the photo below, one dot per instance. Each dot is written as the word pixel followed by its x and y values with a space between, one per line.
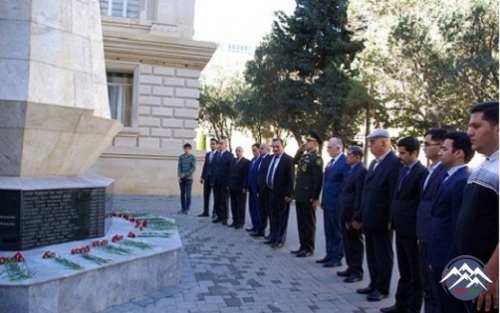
pixel 406 171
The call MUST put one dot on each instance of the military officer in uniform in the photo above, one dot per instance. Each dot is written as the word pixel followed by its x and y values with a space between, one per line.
pixel 307 189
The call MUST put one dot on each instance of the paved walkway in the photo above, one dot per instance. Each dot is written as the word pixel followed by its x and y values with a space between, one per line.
pixel 226 270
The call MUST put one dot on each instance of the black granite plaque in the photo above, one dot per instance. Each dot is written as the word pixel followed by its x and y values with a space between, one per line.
pixel 34 218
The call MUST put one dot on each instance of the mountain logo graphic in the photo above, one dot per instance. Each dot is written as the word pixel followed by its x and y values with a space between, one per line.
pixel 461 281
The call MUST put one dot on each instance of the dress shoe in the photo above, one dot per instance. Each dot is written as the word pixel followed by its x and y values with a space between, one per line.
pixel 238 227
pixel 257 235
pixel 224 222
pixel 277 245
pixel 203 215
pixel 251 229
pixel 324 260
pixel 231 225
pixel 267 237
pixel 268 242
pixel 332 264
pixel 393 309
pixel 345 273
pixel 365 291
pixel 299 250
pixel 214 216
pixel 376 296
pixel 353 279
pixel 216 220
pixel 304 254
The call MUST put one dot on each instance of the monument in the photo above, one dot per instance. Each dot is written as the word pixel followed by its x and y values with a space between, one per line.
pixel 54 122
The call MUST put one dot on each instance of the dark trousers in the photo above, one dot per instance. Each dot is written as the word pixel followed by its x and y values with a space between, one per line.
pixel 207 188
pixel 263 210
pixel 333 235
pixel 221 198
pixel 380 258
pixel 447 302
pixel 238 202
pixel 354 249
pixel 185 186
pixel 306 223
pixel 430 298
pixel 279 211
pixel 253 208
pixel 409 294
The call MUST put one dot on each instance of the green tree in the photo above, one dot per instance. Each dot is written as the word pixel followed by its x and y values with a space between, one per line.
pixel 301 71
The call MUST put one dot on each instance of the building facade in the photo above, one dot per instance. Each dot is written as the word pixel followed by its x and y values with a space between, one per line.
pixel 153 68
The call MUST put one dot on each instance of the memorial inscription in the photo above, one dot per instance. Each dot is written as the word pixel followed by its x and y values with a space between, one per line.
pixel 35 218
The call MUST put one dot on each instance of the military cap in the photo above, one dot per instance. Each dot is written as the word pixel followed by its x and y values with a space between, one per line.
pixel 377 133
pixel 313 136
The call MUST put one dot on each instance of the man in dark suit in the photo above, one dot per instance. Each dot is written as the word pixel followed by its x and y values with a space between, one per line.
pixel 378 192
pixel 279 183
pixel 221 173
pixel 307 190
pixel 455 153
pixel 205 178
pixel 409 294
pixel 238 189
pixel 263 192
pixel 252 187
pixel 433 139
pixel 335 172
pixel 349 206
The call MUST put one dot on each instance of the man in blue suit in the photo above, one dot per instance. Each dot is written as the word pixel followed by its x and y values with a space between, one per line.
pixel 335 172
pixel 349 205
pixel 221 173
pixel 253 199
pixel 455 153
pixel 378 193
pixel 433 139
pixel 263 192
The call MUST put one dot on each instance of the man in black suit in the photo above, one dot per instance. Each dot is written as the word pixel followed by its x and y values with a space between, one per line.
pixel 409 294
pixel 263 192
pixel 378 192
pixel 454 154
pixel 279 183
pixel 205 178
pixel 252 187
pixel 238 189
pixel 350 210
pixel 433 139
pixel 221 173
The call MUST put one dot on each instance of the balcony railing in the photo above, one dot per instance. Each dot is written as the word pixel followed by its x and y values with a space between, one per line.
pixel 121 8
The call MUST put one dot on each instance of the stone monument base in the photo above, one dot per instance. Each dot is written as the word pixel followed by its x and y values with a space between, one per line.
pixel 55 288
pixel 41 211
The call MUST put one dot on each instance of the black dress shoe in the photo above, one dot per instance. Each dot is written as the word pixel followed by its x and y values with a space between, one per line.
pixel 345 273
pixel 353 279
pixel 268 242
pixel 231 225
pixel 277 245
pixel 324 260
pixel 214 216
pixel 251 229
pixel 304 254
pixel 224 222
pixel 376 296
pixel 365 291
pixel 257 235
pixel 267 237
pixel 299 250
pixel 216 220
pixel 332 264
pixel 393 309
pixel 203 215
pixel 238 227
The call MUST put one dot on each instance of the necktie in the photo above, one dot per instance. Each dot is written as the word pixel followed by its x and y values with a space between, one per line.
pixel 211 157
pixel 373 165
pixel 444 178
pixel 330 163
pixel 406 171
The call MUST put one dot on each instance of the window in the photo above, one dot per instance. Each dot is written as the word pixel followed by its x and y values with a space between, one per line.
pixel 120 91
pixel 120 8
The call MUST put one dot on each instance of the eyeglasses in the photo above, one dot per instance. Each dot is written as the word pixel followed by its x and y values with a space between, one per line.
pixel 426 144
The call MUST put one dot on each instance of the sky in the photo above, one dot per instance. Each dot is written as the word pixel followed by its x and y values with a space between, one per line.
pixel 236 21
